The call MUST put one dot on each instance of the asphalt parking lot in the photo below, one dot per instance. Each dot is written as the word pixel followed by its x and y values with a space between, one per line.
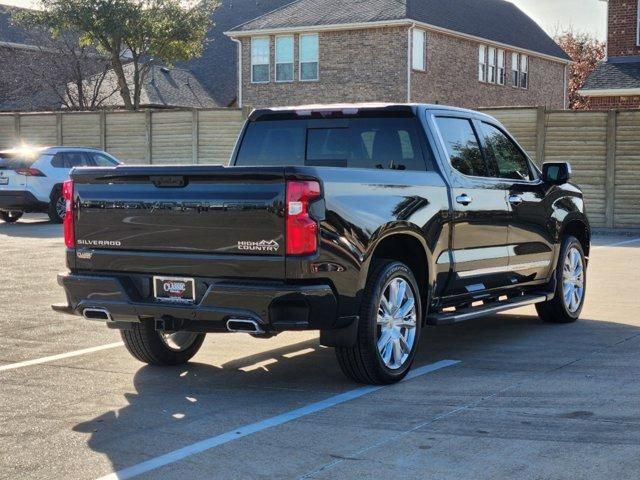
pixel 502 397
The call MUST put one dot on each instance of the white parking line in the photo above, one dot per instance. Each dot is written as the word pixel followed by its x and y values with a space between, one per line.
pixel 53 358
pixel 618 244
pixel 247 430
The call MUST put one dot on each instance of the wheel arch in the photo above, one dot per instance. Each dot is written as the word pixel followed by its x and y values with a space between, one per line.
pixel 579 228
pixel 57 188
pixel 405 245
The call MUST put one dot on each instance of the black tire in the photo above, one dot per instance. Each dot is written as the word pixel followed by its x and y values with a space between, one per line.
pixel 54 215
pixel 10 217
pixel 363 363
pixel 145 344
pixel 556 310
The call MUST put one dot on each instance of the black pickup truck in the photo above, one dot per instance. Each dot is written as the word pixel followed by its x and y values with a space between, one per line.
pixel 365 222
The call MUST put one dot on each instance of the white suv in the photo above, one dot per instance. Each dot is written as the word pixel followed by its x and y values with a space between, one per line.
pixel 31 178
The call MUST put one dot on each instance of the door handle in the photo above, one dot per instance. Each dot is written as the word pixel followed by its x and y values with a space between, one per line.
pixel 464 199
pixel 515 199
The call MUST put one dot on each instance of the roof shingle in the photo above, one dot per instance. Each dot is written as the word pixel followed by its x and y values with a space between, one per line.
pixel 613 76
pixel 495 20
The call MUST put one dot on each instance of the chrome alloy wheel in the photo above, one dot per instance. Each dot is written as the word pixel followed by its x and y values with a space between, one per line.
pixel 61 207
pixel 573 280
pixel 178 341
pixel 397 317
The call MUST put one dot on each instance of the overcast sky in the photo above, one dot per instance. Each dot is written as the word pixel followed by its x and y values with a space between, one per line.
pixel 553 15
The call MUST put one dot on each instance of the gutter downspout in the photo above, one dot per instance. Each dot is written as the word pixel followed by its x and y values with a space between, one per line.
pixel 565 106
pixel 233 39
pixel 409 48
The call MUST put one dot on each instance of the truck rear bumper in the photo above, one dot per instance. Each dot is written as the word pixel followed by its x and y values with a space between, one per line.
pixel 274 306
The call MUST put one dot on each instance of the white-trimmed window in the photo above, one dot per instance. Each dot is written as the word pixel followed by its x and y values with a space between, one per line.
pixel 482 63
pixel 284 58
pixel 524 71
pixel 491 63
pixel 418 49
pixel 520 70
pixel 515 69
pixel 500 67
pixel 309 57
pixel 260 55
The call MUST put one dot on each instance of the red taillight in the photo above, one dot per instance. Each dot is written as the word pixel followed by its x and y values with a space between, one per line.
pixel 302 230
pixel 30 172
pixel 69 234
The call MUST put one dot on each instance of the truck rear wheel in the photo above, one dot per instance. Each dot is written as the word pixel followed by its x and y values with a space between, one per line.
pixel 571 272
pixel 389 327
pixel 150 346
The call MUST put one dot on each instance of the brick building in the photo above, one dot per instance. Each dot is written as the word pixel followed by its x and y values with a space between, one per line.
pixel 468 53
pixel 616 82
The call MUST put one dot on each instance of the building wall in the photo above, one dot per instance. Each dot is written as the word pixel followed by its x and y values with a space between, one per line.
pixel 370 65
pixel 451 78
pixel 618 102
pixel 355 66
pixel 623 28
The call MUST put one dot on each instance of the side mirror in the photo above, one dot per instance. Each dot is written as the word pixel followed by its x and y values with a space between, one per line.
pixel 556 173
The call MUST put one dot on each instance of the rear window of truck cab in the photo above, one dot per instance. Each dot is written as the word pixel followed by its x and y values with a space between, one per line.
pixel 373 143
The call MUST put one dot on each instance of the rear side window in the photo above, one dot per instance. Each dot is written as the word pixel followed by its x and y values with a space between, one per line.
pixel 504 154
pixel 101 160
pixel 70 160
pixel 380 143
pixel 462 146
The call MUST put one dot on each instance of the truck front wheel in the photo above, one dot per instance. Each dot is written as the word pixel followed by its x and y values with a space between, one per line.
pixel 154 347
pixel 571 276
pixel 389 327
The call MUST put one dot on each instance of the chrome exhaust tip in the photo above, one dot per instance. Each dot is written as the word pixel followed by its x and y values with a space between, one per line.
pixel 241 325
pixel 97 314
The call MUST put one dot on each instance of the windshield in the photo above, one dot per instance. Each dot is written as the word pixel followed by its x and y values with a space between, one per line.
pixel 380 143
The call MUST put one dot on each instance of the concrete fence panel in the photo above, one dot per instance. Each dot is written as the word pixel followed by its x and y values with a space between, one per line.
pixel 581 139
pixel 39 129
pixel 81 130
pixel 626 185
pixel 172 137
pixel 127 136
pixel 217 134
pixel 522 124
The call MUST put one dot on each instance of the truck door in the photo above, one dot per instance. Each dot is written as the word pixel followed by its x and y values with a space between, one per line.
pixel 479 250
pixel 531 246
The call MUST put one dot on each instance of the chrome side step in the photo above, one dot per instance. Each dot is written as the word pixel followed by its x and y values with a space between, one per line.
pixel 449 318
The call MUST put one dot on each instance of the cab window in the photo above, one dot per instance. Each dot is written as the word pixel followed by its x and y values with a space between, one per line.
pixel 507 160
pixel 369 143
pixel 462 146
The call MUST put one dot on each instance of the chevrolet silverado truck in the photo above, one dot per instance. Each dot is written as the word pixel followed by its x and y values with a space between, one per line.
pixel 363 222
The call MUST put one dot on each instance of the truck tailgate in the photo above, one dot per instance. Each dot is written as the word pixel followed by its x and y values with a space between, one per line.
pixel 187 209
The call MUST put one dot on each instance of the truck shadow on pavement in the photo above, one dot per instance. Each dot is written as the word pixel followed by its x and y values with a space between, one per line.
pixel 175 407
